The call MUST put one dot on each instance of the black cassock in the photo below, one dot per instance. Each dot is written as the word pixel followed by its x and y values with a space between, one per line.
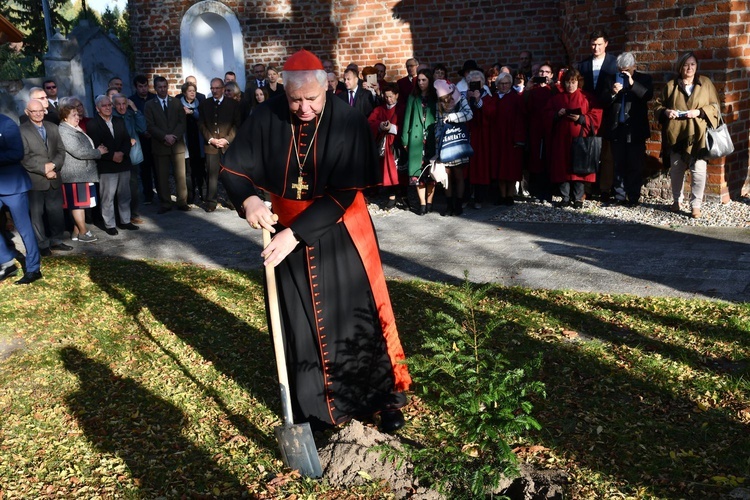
pixel 343 351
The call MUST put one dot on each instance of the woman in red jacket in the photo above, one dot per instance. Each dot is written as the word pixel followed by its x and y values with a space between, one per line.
pixel 568 112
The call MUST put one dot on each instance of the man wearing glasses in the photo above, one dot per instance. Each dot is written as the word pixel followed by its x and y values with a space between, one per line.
pixel 50 89
pixel 43 158
pixel 39 94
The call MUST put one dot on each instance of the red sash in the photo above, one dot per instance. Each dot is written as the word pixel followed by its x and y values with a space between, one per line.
pixel 359 225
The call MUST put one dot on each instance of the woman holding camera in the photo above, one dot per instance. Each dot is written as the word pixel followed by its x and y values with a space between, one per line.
pixel 536 98
pixel 481 128
pixel 418 137
pixel 688 104
pixel 509 138
pixel 570 112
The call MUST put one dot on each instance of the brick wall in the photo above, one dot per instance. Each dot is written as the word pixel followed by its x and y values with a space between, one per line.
pixel 656 32
pixel 390 31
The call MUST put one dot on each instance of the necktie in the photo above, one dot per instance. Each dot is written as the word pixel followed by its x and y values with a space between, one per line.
pixel 351 98
pixel 164 106
pixel 43 133
pixel 260 83
pixel 217 101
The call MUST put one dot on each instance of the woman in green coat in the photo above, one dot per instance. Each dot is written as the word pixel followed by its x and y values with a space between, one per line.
pixel 418 137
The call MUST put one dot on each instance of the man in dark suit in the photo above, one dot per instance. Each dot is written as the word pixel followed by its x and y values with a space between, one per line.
pixel 53 110
pixel 140 98
pixel 50 114
pixel 165 121
pixel 257 81
pixel 14 187
pixel 43 158
pixel 113 166
pixel 356 96
pixel 218 123
pixel 598 72
pixel 626 127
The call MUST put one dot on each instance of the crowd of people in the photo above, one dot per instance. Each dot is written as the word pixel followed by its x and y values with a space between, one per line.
pixel 516 127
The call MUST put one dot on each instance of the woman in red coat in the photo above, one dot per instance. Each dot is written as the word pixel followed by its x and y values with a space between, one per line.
pixel 568 112
pixel 536 97
pixel 384 123
pixel 509 138
pixel 481 135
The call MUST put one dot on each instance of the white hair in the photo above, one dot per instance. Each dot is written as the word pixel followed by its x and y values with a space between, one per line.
pixel 101 99
pixel 625 60
pixel 296 79
pixel 475 76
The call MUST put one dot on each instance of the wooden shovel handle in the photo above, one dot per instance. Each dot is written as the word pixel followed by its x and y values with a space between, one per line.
pixel 278 341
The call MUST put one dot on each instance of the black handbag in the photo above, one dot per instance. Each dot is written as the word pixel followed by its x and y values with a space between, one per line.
pixel 586 152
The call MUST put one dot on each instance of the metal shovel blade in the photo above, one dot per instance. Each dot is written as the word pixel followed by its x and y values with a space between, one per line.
pixel 298 449
pixel 296 441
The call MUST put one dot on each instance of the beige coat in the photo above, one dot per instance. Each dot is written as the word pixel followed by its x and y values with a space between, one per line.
pixel 687 136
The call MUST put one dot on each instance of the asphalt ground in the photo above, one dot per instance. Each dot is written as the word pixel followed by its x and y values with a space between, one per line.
pixel 703 262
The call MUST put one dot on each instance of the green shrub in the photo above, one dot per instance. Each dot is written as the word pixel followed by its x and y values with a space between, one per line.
pixel 481 402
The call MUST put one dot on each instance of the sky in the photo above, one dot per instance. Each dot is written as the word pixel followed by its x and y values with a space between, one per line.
pixel 100 5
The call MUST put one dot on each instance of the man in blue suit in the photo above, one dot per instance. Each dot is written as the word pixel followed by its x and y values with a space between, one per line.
pixel 14 186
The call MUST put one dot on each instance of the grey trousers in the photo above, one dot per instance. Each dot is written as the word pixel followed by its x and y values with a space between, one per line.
pixel 51 202
pixel 109 186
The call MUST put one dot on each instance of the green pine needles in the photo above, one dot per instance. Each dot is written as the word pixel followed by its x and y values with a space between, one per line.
pixel 481 403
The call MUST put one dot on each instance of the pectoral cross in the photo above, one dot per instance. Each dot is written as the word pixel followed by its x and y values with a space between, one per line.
pixel 300 186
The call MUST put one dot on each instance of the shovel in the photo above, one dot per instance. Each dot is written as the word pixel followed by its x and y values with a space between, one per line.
pixel 296 442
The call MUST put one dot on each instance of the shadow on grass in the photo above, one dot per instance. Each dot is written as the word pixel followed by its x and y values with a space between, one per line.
pixel 236 349
pixel 122 418
pixel 610 409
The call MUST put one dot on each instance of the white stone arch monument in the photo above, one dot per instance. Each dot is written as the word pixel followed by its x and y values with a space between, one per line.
pixel 211 44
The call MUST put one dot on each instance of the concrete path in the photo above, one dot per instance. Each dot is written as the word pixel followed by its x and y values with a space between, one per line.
pixel 634 259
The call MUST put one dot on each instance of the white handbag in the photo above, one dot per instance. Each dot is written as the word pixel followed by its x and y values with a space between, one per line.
pixel 718 141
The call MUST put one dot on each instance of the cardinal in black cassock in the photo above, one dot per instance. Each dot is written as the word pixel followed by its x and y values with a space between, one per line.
pixel 314 156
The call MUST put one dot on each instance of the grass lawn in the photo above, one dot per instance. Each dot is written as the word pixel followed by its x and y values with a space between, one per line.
pixel 142 379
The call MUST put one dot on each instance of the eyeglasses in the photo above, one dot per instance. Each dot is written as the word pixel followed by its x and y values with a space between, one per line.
pixel 50 87
pixel 105 105
pixel 35 110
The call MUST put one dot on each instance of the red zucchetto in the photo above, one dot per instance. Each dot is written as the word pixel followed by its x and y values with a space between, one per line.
pixel 303 61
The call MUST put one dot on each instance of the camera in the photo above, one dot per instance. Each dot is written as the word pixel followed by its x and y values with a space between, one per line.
pixel 539 80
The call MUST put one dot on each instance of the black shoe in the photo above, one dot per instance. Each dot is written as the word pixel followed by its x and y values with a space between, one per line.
pixel 29 277
pixel 422 210
pixel 391 420
pixel 45 252
pixel 562 204
pixel 163 210
pixel 210 207
pixel 129 226
pixel 112 231
pixel 184 208
pixel 429 208
pixel 391 204
pixel 9 271
pixel 62 247
pixel 578 204
pixel 458 208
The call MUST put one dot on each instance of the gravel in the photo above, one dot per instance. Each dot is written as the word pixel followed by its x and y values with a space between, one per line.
pixel 651 211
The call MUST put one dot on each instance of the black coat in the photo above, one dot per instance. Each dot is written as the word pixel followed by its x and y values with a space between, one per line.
pixel 636 126
pixel 605 81
pixel 100 134
pixel 363 100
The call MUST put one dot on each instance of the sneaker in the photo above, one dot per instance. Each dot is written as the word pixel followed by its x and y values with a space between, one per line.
pixel 87 237
pixel 74 237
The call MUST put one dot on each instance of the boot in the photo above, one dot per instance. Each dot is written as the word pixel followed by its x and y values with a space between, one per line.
pixel 449 207
pixel 458 207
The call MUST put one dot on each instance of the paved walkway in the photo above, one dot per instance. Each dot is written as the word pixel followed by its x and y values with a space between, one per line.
pixel 641 260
